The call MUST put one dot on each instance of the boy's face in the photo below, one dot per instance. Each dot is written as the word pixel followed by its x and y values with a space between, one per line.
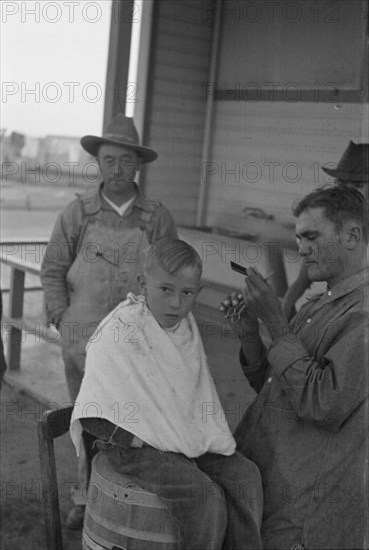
pixel 170 297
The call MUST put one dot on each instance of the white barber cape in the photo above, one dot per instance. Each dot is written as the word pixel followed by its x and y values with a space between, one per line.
pixel 153 382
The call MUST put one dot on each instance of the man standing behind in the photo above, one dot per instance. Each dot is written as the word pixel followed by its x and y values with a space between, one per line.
pixel 96 249
pixel 307 429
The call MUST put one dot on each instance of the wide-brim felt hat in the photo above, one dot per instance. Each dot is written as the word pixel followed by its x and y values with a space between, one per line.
pixel 353 165
pixel 120 131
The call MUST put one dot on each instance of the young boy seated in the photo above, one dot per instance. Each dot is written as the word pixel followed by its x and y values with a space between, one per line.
pixel 154 401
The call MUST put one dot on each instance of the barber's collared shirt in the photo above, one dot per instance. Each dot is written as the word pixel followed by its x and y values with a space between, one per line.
pixel 308 428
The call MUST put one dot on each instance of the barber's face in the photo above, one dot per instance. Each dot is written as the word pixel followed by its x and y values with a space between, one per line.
pixel 118 167
pixel 320 246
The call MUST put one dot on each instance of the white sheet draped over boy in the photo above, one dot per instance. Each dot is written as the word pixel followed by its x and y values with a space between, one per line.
pixel 153 382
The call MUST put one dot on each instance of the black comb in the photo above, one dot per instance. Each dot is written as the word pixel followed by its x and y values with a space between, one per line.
pixel 239 268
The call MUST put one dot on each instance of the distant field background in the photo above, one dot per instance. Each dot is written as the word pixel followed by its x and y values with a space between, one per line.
pixel 30 210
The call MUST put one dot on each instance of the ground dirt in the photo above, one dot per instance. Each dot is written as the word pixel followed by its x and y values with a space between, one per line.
pixel 22 515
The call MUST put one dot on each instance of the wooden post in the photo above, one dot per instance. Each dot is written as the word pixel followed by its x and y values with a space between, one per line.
pixel 14 336
pixel 118 58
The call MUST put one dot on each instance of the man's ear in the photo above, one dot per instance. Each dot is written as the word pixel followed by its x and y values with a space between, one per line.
pixel 354 235
pixel 142 284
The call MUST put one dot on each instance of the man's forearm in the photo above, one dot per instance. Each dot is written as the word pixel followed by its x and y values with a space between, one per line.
pixel 252 346
pixel 321 388
pixel 252 354
pixel 295 292
pixel 56 300
pixel 54 281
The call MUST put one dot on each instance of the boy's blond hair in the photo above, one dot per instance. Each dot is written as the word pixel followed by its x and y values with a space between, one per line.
pixel 172 256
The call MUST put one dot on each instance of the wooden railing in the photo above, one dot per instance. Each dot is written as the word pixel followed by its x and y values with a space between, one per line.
pixel 14 320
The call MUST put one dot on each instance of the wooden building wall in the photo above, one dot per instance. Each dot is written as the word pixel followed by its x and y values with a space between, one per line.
pixel 175 111
pixel 291 92
pixel 267 155
pixel 264 153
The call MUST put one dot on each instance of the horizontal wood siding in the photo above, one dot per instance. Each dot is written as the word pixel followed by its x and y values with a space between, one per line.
pixel 266 154
pixel 296 137
pixel 176 110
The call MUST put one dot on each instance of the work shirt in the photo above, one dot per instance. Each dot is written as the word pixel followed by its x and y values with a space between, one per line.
pixel 93 259
pixel 307 429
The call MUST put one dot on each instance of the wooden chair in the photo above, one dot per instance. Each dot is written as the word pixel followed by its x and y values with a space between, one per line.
pixel 53 424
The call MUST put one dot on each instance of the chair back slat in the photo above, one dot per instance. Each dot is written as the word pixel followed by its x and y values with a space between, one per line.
pixel 57 421
pixel 54 423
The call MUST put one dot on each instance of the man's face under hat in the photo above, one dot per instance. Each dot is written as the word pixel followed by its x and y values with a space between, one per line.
pixel 118 166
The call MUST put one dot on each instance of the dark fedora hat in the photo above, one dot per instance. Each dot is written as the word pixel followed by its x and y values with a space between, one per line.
pixel 120 131
pixel 354 164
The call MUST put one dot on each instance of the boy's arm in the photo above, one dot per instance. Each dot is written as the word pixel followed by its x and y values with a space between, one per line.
pixel 107 432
